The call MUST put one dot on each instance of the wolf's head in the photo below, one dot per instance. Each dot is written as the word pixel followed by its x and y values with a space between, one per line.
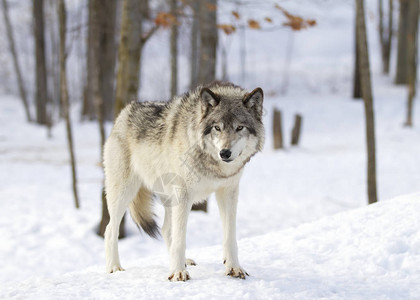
pixel 232 122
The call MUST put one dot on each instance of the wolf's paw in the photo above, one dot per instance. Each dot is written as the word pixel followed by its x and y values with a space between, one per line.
pixel 190 262
pixel 179 276
pixel 114 269
pixel 236 272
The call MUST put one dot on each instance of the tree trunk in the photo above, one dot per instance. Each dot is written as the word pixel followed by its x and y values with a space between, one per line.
pixel 208 41
pixel 53 60
pixel 208 45
pixel 97 64
pixel 41 96
pixel 105 32
pixel 385 35
pixel 22 90
pixel 277 130
pixel 128 75
pixel 195 6
pixel 357 89
pixel 381 26
pixel 402 58
pixel 65 96
pixel 368 101
pixel 412 42
pixel 101 29
pixel 174 50
pixel 88 108
pixel 388 43
pixel 99 101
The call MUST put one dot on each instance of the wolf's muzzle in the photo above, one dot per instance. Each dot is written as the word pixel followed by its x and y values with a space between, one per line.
pixel 225 155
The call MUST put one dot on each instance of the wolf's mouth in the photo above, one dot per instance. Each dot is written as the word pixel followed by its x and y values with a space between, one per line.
pixel 227 160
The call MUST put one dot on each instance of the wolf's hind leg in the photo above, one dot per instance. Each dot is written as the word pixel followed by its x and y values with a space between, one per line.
pixel 118 198
pixel 166 227
pixel 166 233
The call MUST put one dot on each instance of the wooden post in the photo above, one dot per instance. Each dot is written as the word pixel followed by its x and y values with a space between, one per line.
pixel 296 130
pixel 277 130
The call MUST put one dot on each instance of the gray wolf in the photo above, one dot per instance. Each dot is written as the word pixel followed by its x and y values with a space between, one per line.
pixel 202 140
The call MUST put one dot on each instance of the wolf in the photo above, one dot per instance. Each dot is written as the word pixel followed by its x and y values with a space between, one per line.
pixel 198 143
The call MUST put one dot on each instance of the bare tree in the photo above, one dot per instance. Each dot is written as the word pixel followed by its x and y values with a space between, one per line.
pixel 99 101
pixel 132 40
pixel 412 42
pixel 101 29
pixel 105 32
pixel 64 94
pixel 195 5
pixel 88 108
pixel 368 100
pixel 174 49
pixel 208 46
pixel 208 41
pixel 97 63
pixel 402 58
pixel 357 89
pixel 53 59
pixel 14 54
pixel 41 96
pixel 385 35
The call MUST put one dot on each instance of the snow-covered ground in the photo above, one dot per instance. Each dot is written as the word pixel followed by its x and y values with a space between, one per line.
pixel 304 229
pixel 367 253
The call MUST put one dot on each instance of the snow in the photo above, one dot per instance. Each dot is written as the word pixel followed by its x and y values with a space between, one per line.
pixel 304 229
pixel 367 253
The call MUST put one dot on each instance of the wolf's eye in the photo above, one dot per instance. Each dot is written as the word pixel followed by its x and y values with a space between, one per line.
pixel 217 128
pixel 239 128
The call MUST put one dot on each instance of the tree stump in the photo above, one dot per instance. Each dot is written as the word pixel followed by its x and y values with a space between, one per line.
pixel 296 130
pixel 277 130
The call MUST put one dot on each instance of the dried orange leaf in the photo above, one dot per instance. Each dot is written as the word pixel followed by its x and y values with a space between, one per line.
pixel 253 24
pixel 165 19
pixel 227 28
pixel 311 22
pixel 236 14
pixel 295 22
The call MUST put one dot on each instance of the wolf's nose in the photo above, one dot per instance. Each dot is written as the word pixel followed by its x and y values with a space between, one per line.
pixel 225 154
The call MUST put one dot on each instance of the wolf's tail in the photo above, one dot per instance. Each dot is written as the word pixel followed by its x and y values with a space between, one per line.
pixel 142 213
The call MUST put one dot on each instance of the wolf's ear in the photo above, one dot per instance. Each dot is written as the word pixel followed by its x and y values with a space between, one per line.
pixel 254 100
pixel 208 98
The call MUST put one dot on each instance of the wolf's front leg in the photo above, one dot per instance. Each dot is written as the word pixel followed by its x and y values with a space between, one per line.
pixel 227 200
pixel 179 217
